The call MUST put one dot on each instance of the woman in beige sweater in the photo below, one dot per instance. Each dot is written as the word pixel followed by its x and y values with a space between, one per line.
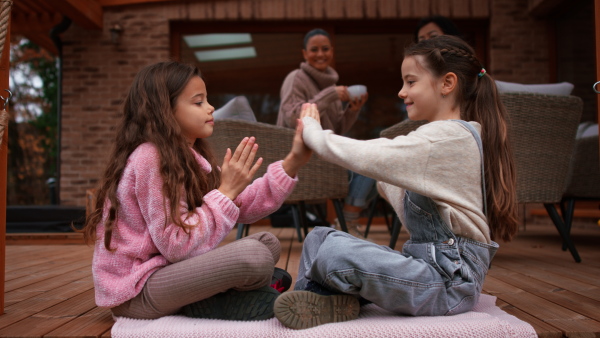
pixel 315 82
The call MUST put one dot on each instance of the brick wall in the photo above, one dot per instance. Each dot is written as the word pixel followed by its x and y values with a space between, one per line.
pixel 519 50
pixel 576 54
pixel 97 74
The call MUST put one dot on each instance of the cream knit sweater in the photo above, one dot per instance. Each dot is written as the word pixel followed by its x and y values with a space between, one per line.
pixel 439 160
pixel 307 84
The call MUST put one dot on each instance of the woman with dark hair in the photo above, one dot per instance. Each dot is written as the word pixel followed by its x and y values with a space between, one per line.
pixel 433 26
pixel 315 82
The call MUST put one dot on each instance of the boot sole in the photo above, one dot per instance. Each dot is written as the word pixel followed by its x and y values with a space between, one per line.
pixel 305 309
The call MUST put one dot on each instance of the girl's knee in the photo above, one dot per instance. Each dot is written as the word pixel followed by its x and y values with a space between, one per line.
pixel 256 262
pixel 318 234
pixel 270 241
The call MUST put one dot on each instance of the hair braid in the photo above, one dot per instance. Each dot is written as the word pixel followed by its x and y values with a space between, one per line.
pixel 461 53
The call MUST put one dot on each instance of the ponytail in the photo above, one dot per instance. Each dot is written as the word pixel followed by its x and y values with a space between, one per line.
pixel 487 109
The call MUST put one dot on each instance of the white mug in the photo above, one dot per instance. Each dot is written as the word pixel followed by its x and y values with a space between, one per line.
pixel 356 91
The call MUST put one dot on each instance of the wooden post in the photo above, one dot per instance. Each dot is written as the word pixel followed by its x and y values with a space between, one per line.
pixel 597 24
pixel 4 70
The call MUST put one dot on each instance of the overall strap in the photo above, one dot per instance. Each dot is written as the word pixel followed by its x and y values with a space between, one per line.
pixel 480 145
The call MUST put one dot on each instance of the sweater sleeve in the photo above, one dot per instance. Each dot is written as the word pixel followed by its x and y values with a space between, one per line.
pixel 295 92
pixel 400 162
pixel 265 195
pixel 208 224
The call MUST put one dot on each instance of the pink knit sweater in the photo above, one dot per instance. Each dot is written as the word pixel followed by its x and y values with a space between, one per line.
pixel 144 243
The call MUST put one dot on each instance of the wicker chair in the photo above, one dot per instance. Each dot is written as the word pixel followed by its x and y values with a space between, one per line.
pixel 584 178
pixel 543 129
pixel 542 133
pixel 319 180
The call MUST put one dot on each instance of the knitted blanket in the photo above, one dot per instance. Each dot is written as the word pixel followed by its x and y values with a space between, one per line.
pixel 485 320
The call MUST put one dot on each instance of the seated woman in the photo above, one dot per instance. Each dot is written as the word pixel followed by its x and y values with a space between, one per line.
pixel 315 82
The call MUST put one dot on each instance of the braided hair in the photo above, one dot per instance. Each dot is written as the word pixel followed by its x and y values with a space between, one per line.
pixel 479 101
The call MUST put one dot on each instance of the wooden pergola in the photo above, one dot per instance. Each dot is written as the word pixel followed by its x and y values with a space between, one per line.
pixel 35 19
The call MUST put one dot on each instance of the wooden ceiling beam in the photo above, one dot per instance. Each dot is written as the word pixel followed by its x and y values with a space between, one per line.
pixel 85 13
pixel 36 29
pixel 108 3
pixel 44 42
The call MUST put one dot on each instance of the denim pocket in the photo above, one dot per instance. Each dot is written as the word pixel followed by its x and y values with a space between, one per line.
pixel 419 222
pixel 448 260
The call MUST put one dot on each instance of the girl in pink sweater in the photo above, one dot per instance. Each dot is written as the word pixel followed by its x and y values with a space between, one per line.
pixel 164 206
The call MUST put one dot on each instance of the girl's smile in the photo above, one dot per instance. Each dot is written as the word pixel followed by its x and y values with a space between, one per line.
pixel 419 92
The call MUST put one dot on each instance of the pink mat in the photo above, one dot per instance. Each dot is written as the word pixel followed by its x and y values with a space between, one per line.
pixel 486 320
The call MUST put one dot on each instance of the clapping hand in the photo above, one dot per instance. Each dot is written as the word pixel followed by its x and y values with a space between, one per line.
pixel 238 171
pixel 299 154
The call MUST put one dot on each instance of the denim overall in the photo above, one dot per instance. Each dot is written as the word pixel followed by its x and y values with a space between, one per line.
pixel 437 273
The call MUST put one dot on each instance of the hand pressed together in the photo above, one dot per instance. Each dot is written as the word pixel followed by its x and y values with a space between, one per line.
pixel 310 110
pixel 300 154
pixel 238 170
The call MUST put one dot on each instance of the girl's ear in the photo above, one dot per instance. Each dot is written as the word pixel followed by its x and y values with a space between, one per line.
pixel 449 83
pixel 304 52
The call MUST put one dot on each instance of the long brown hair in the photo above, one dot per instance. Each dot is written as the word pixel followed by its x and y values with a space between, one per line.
pixel 479 101
pixel 148 116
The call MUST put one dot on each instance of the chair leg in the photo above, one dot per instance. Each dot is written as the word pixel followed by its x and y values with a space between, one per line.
pixel 339 210
pixel 372 209
pixel 396 226
pixel 297 221
pixel 567 206
pixel 240 232
pixel 560 226
pixel 303 220
pixel 321 214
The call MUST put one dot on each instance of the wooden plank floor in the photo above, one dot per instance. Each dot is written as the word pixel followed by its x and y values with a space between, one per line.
pixel 49 288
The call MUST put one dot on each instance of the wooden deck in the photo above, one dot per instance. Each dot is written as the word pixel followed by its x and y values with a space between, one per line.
pixel 49 288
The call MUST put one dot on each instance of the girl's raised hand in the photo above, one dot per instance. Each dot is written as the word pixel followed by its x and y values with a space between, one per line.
pixel 238 171
pixel 310 110
pixel 300 154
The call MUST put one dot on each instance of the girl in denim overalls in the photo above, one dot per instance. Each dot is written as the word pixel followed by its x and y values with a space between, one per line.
pixel 451 182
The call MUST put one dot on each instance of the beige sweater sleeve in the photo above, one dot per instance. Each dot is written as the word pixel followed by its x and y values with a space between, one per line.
pixel 439 160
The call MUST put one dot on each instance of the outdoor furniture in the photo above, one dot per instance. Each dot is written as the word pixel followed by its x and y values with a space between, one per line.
pixel 543 129
pixel 318 180
pixel 542 133
pixel 584 178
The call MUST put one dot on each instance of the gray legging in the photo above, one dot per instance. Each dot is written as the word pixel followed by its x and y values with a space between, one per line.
pixel 245 264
